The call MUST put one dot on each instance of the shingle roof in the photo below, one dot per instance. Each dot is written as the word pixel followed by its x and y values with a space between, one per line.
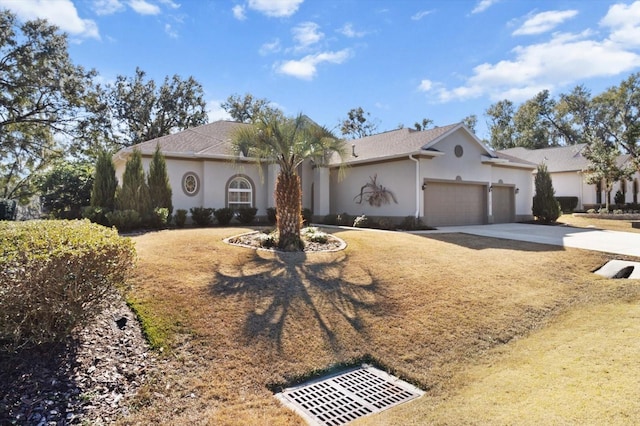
pixel 558 159
pixel 393 143
pixel 213 139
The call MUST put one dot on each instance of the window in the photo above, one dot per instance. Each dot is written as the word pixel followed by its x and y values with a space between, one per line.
pixel 190 183
pixel 240 193
pixel 458 150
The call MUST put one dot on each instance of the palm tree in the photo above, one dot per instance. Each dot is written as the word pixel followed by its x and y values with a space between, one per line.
pixel 287 142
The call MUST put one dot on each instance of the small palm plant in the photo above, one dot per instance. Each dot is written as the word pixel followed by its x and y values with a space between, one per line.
pixel 375 194
pixel 287 142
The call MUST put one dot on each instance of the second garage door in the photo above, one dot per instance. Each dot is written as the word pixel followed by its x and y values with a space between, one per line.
pixel 452 203
pixel 503 204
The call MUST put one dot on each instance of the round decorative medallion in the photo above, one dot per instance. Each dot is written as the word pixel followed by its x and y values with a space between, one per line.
pixel 190 184
pixel 458 151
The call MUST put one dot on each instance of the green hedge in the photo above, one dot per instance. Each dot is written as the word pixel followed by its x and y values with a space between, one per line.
pixel 56 275
pixel 567 204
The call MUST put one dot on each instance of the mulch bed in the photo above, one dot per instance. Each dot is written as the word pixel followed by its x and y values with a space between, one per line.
pixel 90 379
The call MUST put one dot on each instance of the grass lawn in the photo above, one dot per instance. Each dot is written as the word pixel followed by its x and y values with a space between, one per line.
pixel 234 323
pixel 609 224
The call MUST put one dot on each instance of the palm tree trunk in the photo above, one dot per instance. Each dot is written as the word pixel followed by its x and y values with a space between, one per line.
pixel 288 211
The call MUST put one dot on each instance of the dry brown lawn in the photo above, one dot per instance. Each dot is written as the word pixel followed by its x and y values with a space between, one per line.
pixel 235 322
pixel 609 224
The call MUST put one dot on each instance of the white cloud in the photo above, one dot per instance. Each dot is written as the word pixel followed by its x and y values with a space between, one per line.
pixel 61 13
pixel 170 3
pixel 544 22
pixel 418 16
pixel 306 68
pixel 484 5
pixel 348 31
pixel 107 7
pixel 268 48
pixel 624 23
pixel 144 8
pixel 215 111
pixel 307 34
pixel 172 32
pixel 425 85
pixel 275 8
pixel 563 60
pixel 238 12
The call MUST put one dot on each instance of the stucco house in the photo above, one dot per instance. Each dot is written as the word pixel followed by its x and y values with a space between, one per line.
pixel 566 165
pixel 445 176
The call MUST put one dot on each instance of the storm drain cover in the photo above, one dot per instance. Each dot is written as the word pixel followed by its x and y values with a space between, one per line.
pixel 344 397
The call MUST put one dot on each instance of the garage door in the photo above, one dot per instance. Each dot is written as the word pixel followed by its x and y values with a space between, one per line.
pixel 503 204
pixel 449 204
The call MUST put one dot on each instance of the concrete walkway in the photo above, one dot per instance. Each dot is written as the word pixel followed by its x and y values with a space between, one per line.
pixel 625 243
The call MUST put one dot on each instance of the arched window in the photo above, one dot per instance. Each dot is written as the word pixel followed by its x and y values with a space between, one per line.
pixel 240 193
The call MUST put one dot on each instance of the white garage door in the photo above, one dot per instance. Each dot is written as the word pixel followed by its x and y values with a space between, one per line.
pixel 450 204
pixel 503 205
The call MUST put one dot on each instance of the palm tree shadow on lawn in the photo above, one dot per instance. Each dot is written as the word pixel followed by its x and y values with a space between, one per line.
pixel 281 286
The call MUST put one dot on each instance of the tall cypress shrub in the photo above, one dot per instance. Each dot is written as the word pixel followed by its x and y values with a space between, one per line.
pixel 103 193
pixel 134 192
pixel 158 181
pixel 546 208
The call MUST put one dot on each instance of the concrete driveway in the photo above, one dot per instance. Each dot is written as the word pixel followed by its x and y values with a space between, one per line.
pixel 625 243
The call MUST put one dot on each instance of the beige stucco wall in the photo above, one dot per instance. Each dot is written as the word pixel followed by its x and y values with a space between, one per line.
pixel 396 176
pixel 469 167
pixel 213 176
pixel 399 176
pixel 572 184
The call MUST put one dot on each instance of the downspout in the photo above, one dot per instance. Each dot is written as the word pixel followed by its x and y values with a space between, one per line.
pixel 417 214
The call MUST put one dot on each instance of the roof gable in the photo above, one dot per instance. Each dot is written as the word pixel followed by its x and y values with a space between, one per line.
pixel 400 143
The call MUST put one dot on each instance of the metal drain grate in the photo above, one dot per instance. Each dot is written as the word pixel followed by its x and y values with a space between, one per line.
pixel 344 397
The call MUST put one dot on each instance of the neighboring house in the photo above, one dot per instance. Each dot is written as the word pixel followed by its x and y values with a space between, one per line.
pixel 445 176
pixel 566 165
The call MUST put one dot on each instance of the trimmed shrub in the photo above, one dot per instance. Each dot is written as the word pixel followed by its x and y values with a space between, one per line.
pixel 159 217
pixel 56 275
pixel 246 215
pixel 361 222
pixel 315 235
pixel 7 209
pixel 271 215
pixel 412 223
pixel 223 216
pixel 268 239
pixel 344 219
pixel 330 219
pixel 567 204
pixel 124 220
pixel 307 216
pixel 95 214
pixel 180 218
pixel 619 198
pixel 202 216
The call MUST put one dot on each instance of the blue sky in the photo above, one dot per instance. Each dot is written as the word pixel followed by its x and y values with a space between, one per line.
pixel 399 60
